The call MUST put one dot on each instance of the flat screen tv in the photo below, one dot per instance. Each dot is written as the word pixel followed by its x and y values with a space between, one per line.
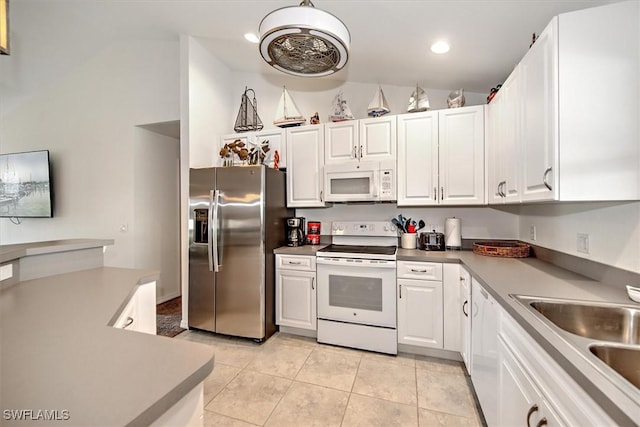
pixel 25 185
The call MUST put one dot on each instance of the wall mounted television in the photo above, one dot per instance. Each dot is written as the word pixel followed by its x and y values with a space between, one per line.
pixel 25 185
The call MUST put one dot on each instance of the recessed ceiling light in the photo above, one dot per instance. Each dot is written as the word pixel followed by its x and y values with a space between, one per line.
pixel 252 38
pixel 440 47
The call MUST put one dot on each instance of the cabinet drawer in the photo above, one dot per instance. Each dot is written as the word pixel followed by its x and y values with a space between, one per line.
pixel 419 270
pixel 296 262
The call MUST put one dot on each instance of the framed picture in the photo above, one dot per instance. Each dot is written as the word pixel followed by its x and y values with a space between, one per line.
pixel 4 27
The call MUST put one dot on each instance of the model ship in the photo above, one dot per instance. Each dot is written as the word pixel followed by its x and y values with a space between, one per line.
pixel 378 105
pixel 287 114
pixel 341 110
pixel 418 101
pixel 247 119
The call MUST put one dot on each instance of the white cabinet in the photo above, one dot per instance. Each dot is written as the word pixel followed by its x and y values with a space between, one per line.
pixel 532 387
pixel 305 152
pixel 378 138
pixel 274 137
pixel 341 143
pixel 451 307
pixel 296 292
pixel 576 139
pixel 139 313
pixel 465 318
pixel 538 72
pixel 420 304
pixel 503 148
pixel 484 350
pixel 441 157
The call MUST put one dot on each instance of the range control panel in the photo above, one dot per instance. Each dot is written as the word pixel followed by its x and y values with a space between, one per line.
pixel 364 228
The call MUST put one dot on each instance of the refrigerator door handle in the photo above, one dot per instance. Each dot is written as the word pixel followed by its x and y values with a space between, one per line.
pixel 209 231
pixel 213 211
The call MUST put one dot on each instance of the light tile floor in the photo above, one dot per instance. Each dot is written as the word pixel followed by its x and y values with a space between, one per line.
pixel 294 381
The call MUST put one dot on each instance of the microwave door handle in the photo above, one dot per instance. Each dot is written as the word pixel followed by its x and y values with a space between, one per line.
pixel 215 195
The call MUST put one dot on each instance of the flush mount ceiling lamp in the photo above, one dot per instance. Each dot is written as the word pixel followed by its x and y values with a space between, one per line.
pixel 304 41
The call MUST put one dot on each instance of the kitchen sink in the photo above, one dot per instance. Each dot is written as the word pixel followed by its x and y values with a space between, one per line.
pixel 623 360
pixel 598 321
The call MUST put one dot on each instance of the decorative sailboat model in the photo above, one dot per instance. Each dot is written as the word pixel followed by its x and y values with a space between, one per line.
pixel 287 114
pixel 378 105
pixel 247 119
pixel 341 110
pixel 418 101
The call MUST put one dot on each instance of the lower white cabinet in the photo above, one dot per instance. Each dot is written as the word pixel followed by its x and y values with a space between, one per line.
pixel 296 291
pixel 465 318
pixel 140 312
pixel 420 304
pixel 533 389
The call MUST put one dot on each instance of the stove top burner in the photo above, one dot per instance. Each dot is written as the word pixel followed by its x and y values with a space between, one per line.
pixel 354 249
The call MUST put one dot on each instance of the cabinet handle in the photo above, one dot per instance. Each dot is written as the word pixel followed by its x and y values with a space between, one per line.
pixel 354 152
pixel 534 408
pixel 321 196
pixel 435 193
pixel 295 262
pixel 544 179
pixel 463 306
pixel 413 270
pixel 441 193
pixel 313 279
pixel 501 186
pixel 360 154
pixel 542 422
pixel 400 287
pixel 128 323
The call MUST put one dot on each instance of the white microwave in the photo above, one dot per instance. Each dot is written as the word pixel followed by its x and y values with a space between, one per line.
pixel 360 182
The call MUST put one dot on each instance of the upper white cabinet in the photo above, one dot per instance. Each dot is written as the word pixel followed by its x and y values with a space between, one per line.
pixel 341 143
pixel 378 138
pixel 502 125
pixel 577 110
pixel 274 137
pixel 441 157
pixel 360 140
pixel 305 148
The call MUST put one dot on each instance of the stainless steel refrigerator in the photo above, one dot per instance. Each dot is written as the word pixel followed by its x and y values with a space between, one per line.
pixel 236 220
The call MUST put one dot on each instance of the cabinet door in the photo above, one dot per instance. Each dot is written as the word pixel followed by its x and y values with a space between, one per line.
pixel 451 303
pixel 417 159
pixel 377 138
pixel 539 97
pixel 518 399
pixel 420 320
pixel 461 156
pixel 305 153
pixel 341 142
pixel 465 317
pixel 296 299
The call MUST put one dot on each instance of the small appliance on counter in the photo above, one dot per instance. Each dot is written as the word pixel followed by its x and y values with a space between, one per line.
pixel 295 231
pixel 431 241
pixel 313 232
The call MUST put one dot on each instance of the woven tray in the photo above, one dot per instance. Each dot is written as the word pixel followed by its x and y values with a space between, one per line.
pixel 502 249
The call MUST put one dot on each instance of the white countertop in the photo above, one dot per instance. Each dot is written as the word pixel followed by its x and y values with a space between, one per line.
pixel 59 352
pixel 19 250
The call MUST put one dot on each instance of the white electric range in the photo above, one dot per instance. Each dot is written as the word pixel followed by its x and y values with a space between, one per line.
pixel 357 286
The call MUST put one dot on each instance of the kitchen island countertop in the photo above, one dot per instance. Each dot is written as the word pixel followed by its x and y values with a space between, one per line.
pixel 59 352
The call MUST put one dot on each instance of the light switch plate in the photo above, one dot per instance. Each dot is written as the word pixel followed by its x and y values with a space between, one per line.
pixel 583 243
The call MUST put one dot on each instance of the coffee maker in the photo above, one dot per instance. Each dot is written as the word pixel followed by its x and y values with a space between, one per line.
pixel 295 231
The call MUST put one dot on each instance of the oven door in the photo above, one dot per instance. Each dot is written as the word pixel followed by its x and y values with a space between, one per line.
pixel 357 291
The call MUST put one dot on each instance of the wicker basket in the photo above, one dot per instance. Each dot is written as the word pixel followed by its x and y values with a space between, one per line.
pixel 502 249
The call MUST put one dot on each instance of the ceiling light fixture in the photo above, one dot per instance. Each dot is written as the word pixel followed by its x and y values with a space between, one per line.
pixel 440 47
pixel 304 41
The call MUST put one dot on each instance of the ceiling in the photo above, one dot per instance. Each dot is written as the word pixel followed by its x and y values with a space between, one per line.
pixel 390 39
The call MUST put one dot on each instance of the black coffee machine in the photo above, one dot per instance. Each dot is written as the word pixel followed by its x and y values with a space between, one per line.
pixel 295 231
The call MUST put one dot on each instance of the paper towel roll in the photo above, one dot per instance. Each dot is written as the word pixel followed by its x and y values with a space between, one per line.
pixel 452 233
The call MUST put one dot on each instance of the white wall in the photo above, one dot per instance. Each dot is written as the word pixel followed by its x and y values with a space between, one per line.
pixel 156 226
pixel 613 228
pixel 87 121
pixel 477 222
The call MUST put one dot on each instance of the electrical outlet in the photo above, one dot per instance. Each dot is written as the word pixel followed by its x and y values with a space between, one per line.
pixel 124 228
pixel 583 243
pixel 532 233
